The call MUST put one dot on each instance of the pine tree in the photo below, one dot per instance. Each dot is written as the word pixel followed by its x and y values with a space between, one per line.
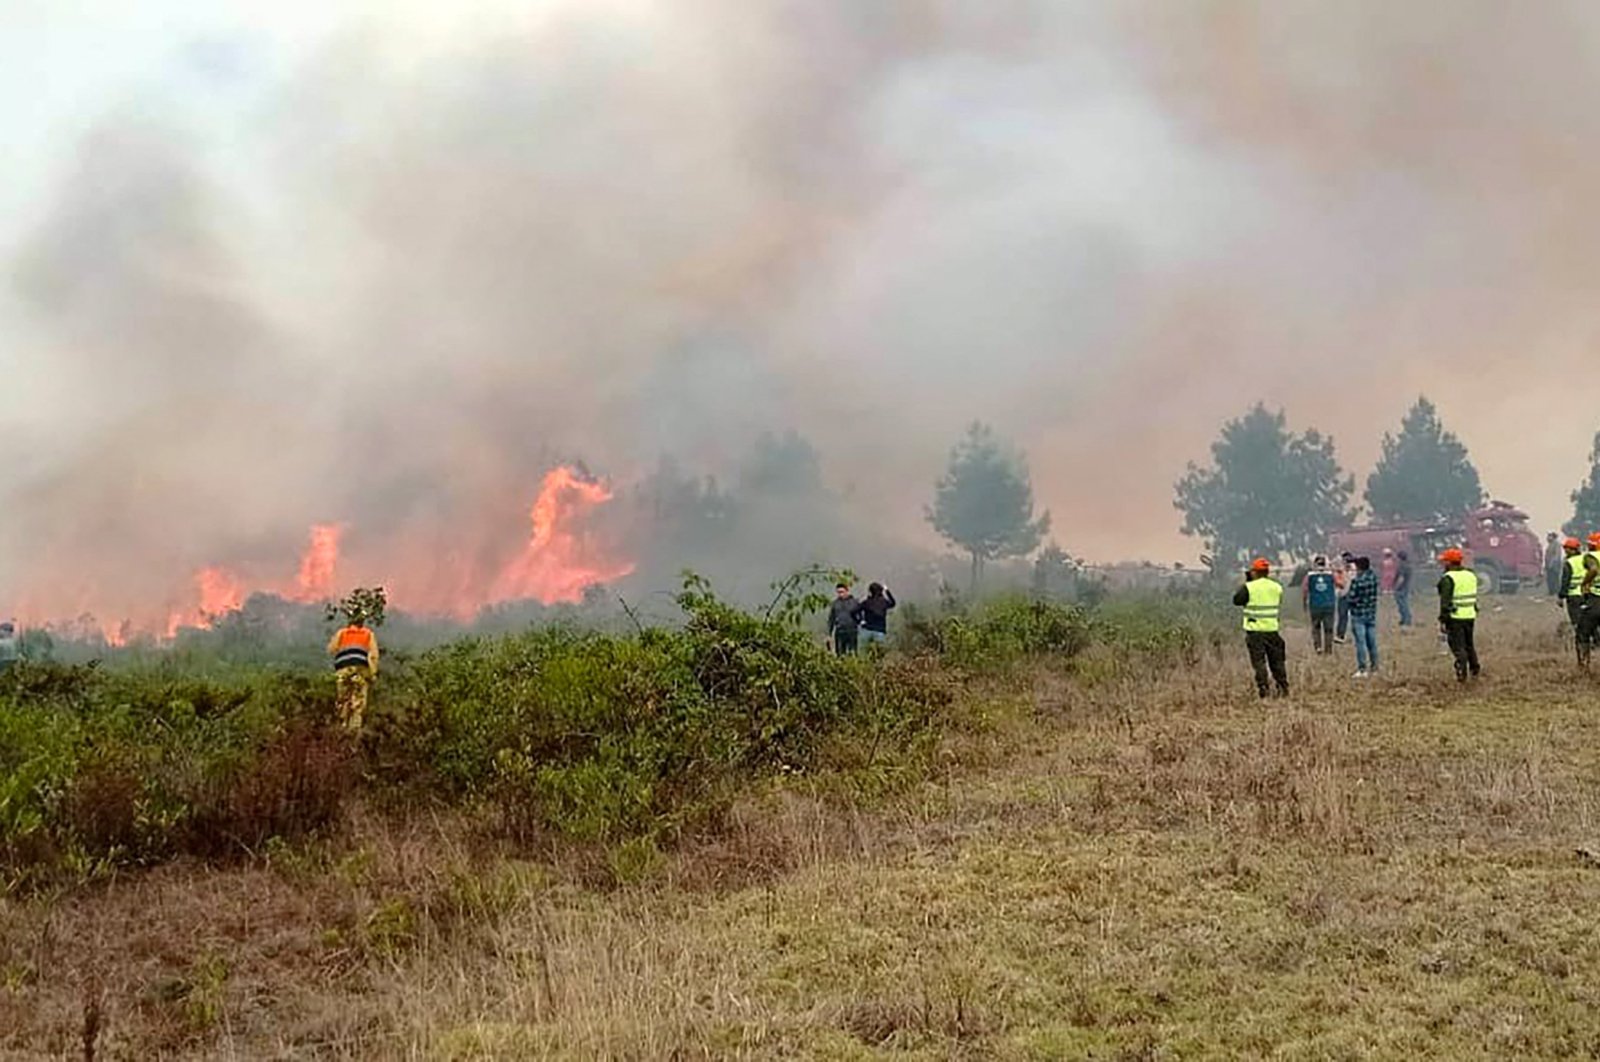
pixel 1586 499
pixel 1268 493
pixel 1424 473
pixel 984 502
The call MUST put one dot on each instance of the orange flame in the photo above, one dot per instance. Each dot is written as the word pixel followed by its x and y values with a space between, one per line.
pixel 220 591
pixel 564 555
pixel 560 562
pixel 315 582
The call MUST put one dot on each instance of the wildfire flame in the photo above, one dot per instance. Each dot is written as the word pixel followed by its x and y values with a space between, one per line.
pixel 220 592
pixel 559 562
pixel 563 556
pixel 315 582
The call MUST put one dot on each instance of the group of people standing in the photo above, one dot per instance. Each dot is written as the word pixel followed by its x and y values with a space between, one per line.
pixel 1577 588
pixel 852 621
pixel 1344 601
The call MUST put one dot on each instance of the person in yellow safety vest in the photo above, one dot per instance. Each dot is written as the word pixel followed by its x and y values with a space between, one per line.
pixel 355 664
pixel 1570 594
pixel 1261 597
pixel 1458 612
pixel 1588 627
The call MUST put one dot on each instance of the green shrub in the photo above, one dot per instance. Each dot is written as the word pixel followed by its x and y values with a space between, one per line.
pixel 998 633
pixel 100 768
pixel 601 737
pixel 623 740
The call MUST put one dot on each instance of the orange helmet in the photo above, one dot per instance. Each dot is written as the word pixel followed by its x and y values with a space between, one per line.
pixel 1452 556
pixel 1260 564
pixel 1594 540
pixel 1573 544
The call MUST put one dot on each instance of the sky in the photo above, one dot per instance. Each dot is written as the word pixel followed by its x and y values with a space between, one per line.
pixel 269 265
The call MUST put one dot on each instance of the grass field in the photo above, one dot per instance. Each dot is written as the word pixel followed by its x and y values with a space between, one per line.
pixel 1115 867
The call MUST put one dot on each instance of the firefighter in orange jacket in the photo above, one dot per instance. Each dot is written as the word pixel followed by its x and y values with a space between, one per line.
pixel 355 664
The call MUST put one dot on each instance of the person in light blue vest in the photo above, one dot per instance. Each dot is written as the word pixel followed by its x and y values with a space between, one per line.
pixel 1320 595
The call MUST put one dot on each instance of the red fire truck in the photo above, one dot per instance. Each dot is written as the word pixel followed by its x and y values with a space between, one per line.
pixel 1496 539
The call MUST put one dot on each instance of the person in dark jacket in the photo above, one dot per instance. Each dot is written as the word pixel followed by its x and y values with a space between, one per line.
pixel 843 626
pixel 1402 587
pixel 1554 560
pixel 873 614
pixel 1363 598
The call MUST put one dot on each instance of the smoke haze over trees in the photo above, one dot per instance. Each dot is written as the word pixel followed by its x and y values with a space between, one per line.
pixel 983 504
pixel 1268 492
pixel 383 265
pixel 1424 473
pixel 1586 499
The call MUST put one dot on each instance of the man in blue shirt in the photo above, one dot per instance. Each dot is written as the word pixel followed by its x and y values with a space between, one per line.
pixel 1320 595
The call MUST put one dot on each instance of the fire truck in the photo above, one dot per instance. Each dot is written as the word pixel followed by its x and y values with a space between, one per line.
pixel 1495 538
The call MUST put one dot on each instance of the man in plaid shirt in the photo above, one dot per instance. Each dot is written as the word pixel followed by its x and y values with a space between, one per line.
pixel 1363 598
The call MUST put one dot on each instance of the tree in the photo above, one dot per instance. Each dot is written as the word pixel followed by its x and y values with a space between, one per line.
pixel 1269 492
pixel 1055 573
pixel 784 464
pixel 364 605
pixel 1586 499
pixel 984 502
pixel 1424 473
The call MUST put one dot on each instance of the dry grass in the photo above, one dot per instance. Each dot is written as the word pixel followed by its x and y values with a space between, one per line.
pixel 1166 869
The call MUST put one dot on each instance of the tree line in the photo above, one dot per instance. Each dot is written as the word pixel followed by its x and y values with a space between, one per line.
pixel 1267 491
pixel 1270 492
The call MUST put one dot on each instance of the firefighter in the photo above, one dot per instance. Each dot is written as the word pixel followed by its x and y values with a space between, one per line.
pixel 1458 612
pixel 1261 597
pixel 355 665
pixel 1588 626
pixel 1570 593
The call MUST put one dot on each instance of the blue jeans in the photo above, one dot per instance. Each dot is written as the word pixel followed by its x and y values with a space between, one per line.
pixel 1366 635
pixel 870 637
pixel 1402 601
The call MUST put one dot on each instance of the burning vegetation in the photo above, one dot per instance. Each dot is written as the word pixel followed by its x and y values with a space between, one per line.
pixel 560 559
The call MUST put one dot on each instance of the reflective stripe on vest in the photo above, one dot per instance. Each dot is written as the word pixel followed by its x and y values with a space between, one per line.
pixel 353 648
pixel 1594 587
pixel 1463 593
pixel 1575 567
pixel 1266 599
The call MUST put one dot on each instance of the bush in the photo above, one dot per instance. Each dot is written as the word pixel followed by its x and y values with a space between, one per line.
pixel 602 737
pixel 1000 632
pixel 556 731
pixel 101 768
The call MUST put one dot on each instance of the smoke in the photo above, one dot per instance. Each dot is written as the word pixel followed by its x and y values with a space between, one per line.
pixel 613 232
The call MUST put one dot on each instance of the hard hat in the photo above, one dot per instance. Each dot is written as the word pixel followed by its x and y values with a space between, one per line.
pixel 1451 556
pixel 1260 565
pixel 1572 543
pixel 1594 540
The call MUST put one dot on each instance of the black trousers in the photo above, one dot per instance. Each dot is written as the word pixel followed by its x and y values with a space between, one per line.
pixel 1458 632
pixel 1582 637
pixel 844 641
pixel 1322 630
pixel 1586 625
pixel 1267 652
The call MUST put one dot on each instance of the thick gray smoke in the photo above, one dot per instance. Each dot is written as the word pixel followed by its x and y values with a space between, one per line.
pixel 627 230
